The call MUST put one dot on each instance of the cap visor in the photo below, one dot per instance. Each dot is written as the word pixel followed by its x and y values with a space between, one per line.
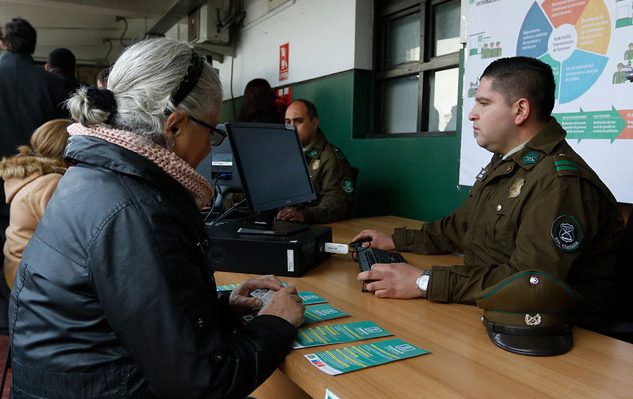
pixel 535 344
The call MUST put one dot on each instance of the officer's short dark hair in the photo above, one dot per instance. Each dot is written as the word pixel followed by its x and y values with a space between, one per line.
pixel 524 77
pixel 19 36
pixel 63 60
pixel 312 110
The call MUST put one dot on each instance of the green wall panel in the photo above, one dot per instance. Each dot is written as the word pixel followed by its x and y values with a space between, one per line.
pixel 413 177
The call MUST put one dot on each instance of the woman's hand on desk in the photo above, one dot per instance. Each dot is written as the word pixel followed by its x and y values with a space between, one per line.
pixel 379 240
pixel 393 280
pixel 240 299
pixel 286 304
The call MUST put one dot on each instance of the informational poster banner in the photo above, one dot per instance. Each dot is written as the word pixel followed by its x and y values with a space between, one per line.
pixel 589 45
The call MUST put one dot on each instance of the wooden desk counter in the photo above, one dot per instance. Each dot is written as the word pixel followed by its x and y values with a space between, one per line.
pixel 463 361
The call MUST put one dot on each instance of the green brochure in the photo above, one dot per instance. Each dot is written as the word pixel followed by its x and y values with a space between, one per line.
pixel 310 298
pixel 353 358
pixel 322 312
pixel 338 333
pixel 226 287
pixel 231 287
pixel 312 314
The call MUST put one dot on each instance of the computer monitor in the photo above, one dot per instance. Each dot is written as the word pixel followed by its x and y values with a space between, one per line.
pixel 272 167
pixel 220 170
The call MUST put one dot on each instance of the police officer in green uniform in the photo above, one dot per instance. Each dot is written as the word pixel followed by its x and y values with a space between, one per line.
pixel 536 205
pixel 329 170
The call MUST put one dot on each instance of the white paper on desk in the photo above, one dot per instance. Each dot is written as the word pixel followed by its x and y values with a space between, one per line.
pixel 330 395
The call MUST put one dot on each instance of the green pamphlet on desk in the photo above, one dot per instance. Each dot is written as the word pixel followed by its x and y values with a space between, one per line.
pixel 231 287
pixel 352 358
pixel 308 297
pixel 322 312
pixel 313 314
pixel 226 287
pixel 338 333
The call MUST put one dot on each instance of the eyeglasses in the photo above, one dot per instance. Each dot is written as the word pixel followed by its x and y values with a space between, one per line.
pixel 217 135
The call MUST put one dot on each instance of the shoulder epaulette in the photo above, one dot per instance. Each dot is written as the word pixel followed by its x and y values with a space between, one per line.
pixel 565 166
pixel 339 154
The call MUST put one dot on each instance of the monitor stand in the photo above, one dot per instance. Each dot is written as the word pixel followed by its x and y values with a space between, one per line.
pixel 264 224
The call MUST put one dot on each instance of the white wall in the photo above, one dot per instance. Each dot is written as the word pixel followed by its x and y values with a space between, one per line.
pixel 325 36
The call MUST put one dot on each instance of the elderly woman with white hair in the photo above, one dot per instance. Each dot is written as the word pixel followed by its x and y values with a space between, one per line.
pixel 114 296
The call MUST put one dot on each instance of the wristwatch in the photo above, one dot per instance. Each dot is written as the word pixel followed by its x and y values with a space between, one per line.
pixel 423 282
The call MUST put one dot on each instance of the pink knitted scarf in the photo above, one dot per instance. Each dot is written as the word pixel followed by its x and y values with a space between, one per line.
pixel 169 162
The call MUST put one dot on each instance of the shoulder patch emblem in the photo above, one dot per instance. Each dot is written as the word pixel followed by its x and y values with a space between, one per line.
pixel 347 185
pixel 313 153
pixel 531 158
pixel 567 233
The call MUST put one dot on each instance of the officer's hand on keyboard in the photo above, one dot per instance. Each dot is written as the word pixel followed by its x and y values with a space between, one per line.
pixel 378 240
pixel 395 280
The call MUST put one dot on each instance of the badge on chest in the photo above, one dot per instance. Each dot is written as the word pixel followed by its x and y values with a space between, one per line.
pixel 515 188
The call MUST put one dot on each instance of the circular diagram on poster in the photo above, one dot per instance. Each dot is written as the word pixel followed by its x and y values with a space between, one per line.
pixel 572 37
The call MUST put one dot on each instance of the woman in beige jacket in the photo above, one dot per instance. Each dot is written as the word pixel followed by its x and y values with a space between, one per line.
pixel 30 178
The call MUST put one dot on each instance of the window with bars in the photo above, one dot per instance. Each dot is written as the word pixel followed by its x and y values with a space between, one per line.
pixel 417 66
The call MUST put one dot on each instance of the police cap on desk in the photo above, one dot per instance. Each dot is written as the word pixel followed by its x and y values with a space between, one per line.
pixel 528 313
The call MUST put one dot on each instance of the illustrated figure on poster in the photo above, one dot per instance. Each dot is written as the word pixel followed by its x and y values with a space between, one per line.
pixel 485 51
pixel 497 52
pixel 472 90
pixel 628 54
pixel 619 76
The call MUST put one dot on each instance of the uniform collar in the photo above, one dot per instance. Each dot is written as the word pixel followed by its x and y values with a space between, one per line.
pixel 543 143
pixel 548 138
pixel 514 151
pixel 316 147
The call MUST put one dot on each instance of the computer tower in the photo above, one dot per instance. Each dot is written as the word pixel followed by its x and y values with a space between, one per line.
pixel 291 255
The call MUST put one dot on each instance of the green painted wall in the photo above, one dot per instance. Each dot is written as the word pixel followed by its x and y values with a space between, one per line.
pixel 413 177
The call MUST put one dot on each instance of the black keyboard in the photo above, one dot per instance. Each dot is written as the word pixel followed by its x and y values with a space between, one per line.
pixel 366 257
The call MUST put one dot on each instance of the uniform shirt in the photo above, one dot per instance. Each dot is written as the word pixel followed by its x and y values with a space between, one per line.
pixel 543 209
pixel 332 179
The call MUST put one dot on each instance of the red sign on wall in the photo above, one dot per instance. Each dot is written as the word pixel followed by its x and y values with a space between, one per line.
pixel 284 59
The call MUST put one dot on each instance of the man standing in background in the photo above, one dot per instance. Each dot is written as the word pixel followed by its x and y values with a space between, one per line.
pixel 29 96
pixel 62 63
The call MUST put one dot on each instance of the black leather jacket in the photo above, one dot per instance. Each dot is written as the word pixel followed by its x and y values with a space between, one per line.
pixel 114 296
